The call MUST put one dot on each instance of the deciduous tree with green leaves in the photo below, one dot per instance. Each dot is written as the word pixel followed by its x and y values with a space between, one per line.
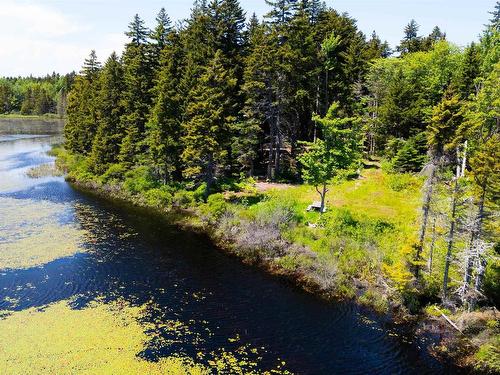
pixel 339 150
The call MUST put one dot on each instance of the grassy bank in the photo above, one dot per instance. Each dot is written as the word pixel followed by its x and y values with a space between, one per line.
pixel 360 249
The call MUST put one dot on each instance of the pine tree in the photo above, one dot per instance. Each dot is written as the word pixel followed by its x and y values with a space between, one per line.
pixel 138 77
pixel 481 130
pixel 411 41
pixel 91 66
pixel 446 119
pixel 247 129
pixel 435 36
pixel 207 125
pixel 81 124
pixel 159 36
pixel 281 12
pixel 495 17
pixel 109 134
pixel 137 32
pixel 469 71
pixel 163 127
pixel 376 49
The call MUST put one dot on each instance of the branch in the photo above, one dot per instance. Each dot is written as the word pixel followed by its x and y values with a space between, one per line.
pixel 448 320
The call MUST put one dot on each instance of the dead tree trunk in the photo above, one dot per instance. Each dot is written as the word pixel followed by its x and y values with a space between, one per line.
pixel 425 217
pixel 450 239
pixel 475 237
pixel 433 244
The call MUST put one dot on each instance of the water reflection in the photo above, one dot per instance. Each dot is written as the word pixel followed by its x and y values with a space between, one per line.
pixel 197 302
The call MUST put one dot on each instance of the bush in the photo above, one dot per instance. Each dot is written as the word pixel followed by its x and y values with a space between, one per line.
pixel 412 156
pixel 115 172
pixel 403 181
pixel 158 197
pixel 374 299
pixel 183 198
pixel 199 193
pixel 277 212
pixel 80 168
pixel 339 221
pixel 215 207
pixel 246 185
pixel 488 357
pixel 139 180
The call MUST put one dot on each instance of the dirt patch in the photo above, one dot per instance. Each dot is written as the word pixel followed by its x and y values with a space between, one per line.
pixel 266 186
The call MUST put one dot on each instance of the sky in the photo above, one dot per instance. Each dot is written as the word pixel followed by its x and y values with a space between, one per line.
pixel 39 37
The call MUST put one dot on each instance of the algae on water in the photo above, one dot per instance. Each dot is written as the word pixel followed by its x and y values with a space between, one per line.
pixel 31 233
pixel 103 338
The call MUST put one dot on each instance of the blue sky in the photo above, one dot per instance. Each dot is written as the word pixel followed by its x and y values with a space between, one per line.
pixel 41 36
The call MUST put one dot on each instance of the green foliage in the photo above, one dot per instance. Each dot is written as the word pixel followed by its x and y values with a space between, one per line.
pixel 115 173
pixel 376 300
pixel 279 212
pixel 488 356
pixel 183 198
pixel 139 180
pixel 186 110
pixel 158 197
pixel 215 207
pixel 412 155
pixel 208 123
pixel 338 151
pixel 35 96
pixel 403 181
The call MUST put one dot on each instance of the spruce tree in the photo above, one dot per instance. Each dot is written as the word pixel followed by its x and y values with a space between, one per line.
pixel 159 36
pixel 281 11
pixel 469 71
pixel 138 77
pixel 207 125
pixel 163 128
pixel 81 124
pixel 91 66
pixel 411 42
pixel 109 134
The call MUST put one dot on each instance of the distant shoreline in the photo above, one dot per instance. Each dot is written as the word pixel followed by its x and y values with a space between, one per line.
pixel 31 124
pixel 47 116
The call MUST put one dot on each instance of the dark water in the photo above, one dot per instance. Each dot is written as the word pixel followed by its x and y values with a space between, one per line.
pixel 138 256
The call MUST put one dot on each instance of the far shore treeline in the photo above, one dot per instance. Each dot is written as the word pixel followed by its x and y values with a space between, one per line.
pixel 35 96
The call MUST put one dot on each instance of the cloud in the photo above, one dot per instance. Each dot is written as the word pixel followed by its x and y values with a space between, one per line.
pixel 37 39
pixel 33 19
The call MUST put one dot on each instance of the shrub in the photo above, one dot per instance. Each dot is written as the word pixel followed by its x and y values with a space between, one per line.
pixel 403 181
pixel 411 156
pixel 277 212
pixel 199 193
pixel 215 207
pixel 183 198
pixel 115 172
pixel 374 299
pixel 488 357
pixel 158 197
pixel 79 168
pixel 247 185
pixel 139 180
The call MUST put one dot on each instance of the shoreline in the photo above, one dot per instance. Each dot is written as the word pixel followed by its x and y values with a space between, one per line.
pixel 421 326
